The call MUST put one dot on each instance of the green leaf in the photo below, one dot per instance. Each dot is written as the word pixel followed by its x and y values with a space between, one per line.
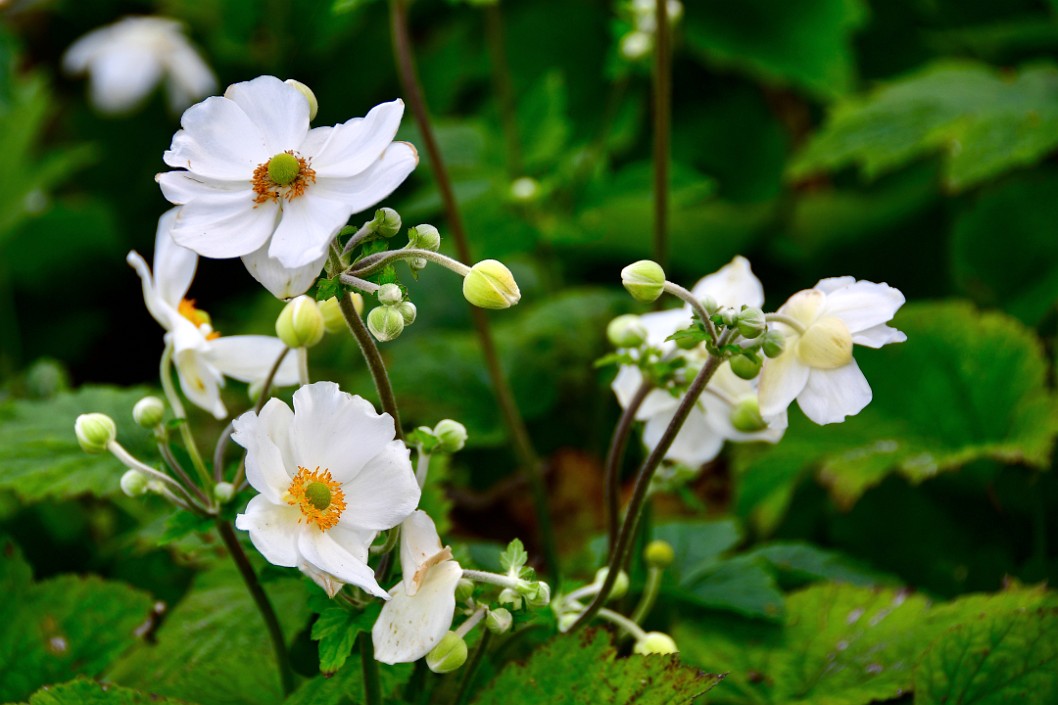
pixel 86 692
pixel 584 668
pixel 514 556
pixel 40 454
pixel 801 563
pixel 347 685
pixel 697 545
pixel 336 630
pixel 985 123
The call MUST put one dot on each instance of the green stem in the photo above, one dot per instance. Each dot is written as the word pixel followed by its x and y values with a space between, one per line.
pixel 166 372
pixel 501 81
pixel 481 576
pixel 612 469
pixel 650 595
pixel 786 321
pixel 662 127
pixel 696 305
pixel 264 605
pixel 372 687
pixel 374 361
pixel 624 622
pixel 374 263
pixel 130 461
pixel 472 667
pixel 409 79
pixel 178 469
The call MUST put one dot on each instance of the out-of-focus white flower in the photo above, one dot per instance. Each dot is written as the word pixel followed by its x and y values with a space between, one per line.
pixel 126 60
pixel 816 366
pixel 257 183
pixel 331 476
pixel 203 357
pixel 421 607
pixel 709 423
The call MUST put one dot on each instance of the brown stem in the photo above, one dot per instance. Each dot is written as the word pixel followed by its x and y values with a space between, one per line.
pixel 374 361
pixel 613 463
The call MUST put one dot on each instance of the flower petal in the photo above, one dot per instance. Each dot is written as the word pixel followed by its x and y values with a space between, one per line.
pixel 200 381
pixel 409 627
pixel 269 467
pixel 420 547
pixel 223 224
pixel 282 282
pixel 377 181
pixel 383 493
pixel 273 529
pixel 326 553
pixel 174 266
pixel 661 324
pixel 696 443
pixel 190 78
pixel 123 76
pixel 281 111
pixel 306 227
pixel 831 395
pixel 249 358
pixel 219 141
pixel 832 284
pixel 356 144
pixel 734 285
pixel 159 310
pixel 877 336
pixel 781 380
pixel 863 305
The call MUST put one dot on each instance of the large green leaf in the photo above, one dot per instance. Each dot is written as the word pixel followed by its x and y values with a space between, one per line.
pixel 347 685
pixel 584 668
pixel 86 692
pixel 984 123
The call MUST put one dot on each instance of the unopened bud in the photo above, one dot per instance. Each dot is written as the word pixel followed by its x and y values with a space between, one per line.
pixel 772 343
pixel 524 189
pixel 304 90
pixel 745 416
pixel 408 312
pixel 134 483
pixel 729 317
pixel 300 323
pixel 656 643
pixel 448 655
pixel 149 412
pixel 626 331
pixel 538 594
pixel 424 237
pixel 508 596
pixel 709 304
pixel 746 365
pixel 385 323
pixel 499 621
pixel 451 435
pixel 620 586
pixel 390 294
pixel 224 491
pixel 644 280
pixel 464 590
pixel 751 323
pixel 386 222
pixel 489 284
pixel 333 320
pixel 659 554
pixel 636 45
pixel 94 432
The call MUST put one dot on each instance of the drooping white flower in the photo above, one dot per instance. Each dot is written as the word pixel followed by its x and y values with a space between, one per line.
pixel 816 366
pixel 709 424
pixel 203 358
pixel 127 59
pixel 421 607
pixel 330 477
pixel 257 183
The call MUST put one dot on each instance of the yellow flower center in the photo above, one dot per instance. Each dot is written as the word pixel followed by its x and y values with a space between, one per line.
pixel 318 496
pixel 285 175
pixel 186 308
pixel 826 345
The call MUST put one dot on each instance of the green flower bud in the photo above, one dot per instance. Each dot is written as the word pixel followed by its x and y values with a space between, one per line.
pixel 687 343
pixel 464 590
pixel 626 331
pixel 300 323
pixel 333 320
pixel 134 483
pixel 659 554
pixel 149 412
pixel 746 365
pixel 524 189
pixel 499 621
pixel 390 294
pixel 620 586
pixel 386 222
pixel 224 491
pixel 448 655
pixel 745 416
pixel 729 316
pixel 645 280
pixel 636 45
pixel 656 643
pixel 385 323
pixel 491 285
pixel 508 596
pixel 709 304
pixel 772 343
pixel 424 237
pixel 538 594
pixel 408 312
pixel 751 323
pixel 314 105
pixel 451 435
pixel 94 432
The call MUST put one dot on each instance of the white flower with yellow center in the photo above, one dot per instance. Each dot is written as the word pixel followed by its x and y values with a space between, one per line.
pixel 127 59
pixel 203 357
pixel 330 477
pixel 421 607
pixel 816 366
pixel 259 184
pixel 709 424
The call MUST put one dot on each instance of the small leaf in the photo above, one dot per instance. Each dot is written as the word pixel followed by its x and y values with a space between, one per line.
pixel 514 557
pixel 336 630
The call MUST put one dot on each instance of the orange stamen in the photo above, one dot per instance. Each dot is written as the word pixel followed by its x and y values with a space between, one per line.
pixel 268 190
pixel 305 492
pixel 186 308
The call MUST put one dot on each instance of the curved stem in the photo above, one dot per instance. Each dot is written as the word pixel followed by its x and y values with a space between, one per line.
pixel 264 605
pixel 481 576
pixel 650 595
pixel 612 469
pixel 373 263
pixel 662 126
pixel 625 623
pixel 178 470
pixel 369 666
pixel 365 230
pixel 374 361
pixel 422 467
pixel 361 284
pixel 475 662
pixel 696 305
pixel 130 461
pixel 786 321
pixel 166 373
pixel 472 621
pixel 225 436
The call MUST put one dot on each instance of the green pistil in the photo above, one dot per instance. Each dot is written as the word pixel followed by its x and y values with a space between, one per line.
pixel 319 495
pixel 283 168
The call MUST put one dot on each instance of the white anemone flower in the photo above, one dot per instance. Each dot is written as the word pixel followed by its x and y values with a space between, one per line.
pixel 709 424
pixel 203 358
pixel 127 59
pixel 259 184
pixel 816 366
pixel 330 477
pixel 421 607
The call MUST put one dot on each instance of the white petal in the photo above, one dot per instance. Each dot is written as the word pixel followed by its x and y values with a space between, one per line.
pixel 383 493
pixel 863 305
pixel 162 312
pixel 657 402
pixel 734 284
pixel 377 181
pixel 696 443
pixel 626 383
pixel 661 324
pixel 273 529
pixel 306 227
pixel 249 358
pixel 833 284
pixel 174 266
pixel 354 145
pixel 327 554
pixel 200 381
pixel 338 432
pixel 282 282
pixel 831 395
pixel 420 549
pixel 877 336
pixel 218 141
pixel 279 109
pixel 81 52
pixel 123 76
pixel 190 78
pixel 805 307
pixel 225 224
pixel 269 469
pixel 781 380
pixel 409 627
pixel 183 186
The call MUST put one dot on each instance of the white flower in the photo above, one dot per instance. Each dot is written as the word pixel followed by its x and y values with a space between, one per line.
pixel 816 366
pixel 709 423
pixel 259 184
pixel 330 477
pixel 203 357
pixel 127 59
pixel 421 607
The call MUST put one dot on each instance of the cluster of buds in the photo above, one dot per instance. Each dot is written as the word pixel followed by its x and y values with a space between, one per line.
pixel 638 41
pixel 388 320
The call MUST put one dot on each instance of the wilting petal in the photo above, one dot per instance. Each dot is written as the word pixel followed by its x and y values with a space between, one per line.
pixel 409 627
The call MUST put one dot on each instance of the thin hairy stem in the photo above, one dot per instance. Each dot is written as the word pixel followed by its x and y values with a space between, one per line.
pixel 372 686
pixel 374 361
pixel 612 469
pixel 374 263
pixel 696 305
pixel 178 470
pixel 662 127
pixel 365 230
pixel 625 623
pixel 133 463
pixel 166 374
pixel 650 595
pixel 786 321
pixel 481 576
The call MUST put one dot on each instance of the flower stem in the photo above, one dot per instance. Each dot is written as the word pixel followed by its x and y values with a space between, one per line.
pixel 786 321
pixel 372 687
pixel 512 417
pixel 612 471
pixel 264 605
pixel 696 305
pixel 650 595
pixel 303 365
pixel 481 576
pixel 166 373
pixel 374 361
pixel 662 126
pixel 178 469
pixel 373 263
pixel 501 81
pixel 472 668
pixel 624 622
pixel 128 460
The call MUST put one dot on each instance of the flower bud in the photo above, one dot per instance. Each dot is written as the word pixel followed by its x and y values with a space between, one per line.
pixel 464 590
pixel 95 432
pixel 300 323
pixel 451 435
pixel 508 596
pixel 729 317
pixel 659 554
pixel 751 323
pixel 333 320
pixel 386 222
pixel 644 280
pixel 385 323
pixel 636 45
pixel 499 621
pixel 491 285
pixel 224 491
pixel 524 189
pixel 620 586
pixel 626 331
pixel 408 312
pixel 448 655
pixel 149 412
pixel 538 594
pixel 745 416
pixel 772 343
pixel 134 483
pixel 390 294
pixel 314 104
pixel 424 237
pixel 709 304
pixel 746 365
pixel 655 643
